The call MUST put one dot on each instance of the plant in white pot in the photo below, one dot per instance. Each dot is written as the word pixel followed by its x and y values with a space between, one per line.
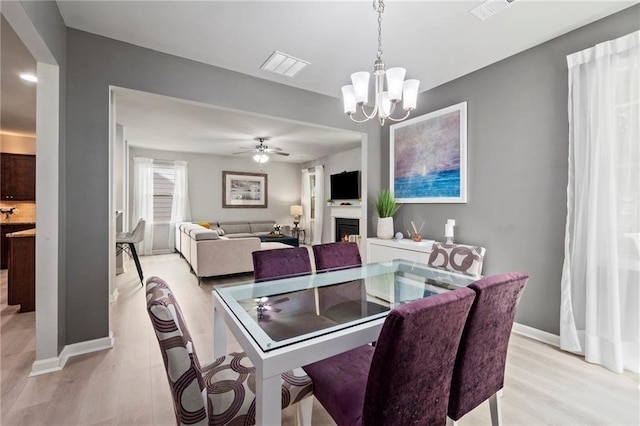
pixel 386 206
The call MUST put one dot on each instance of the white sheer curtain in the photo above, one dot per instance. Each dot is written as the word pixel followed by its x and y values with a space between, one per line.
pixel 601 274
pixel 143 201
pixel 306 199
pixel 318 220
pixel 180 207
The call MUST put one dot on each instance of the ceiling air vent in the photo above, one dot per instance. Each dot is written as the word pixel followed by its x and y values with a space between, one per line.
pixel 281 63
pixel 490 8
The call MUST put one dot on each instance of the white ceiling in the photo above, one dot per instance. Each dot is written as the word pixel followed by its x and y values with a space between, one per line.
pixel 437 41
pixel 158 122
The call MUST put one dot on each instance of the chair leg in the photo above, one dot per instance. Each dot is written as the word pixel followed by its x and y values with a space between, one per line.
pixel 495 405
pixel 134 254
pixel 304 409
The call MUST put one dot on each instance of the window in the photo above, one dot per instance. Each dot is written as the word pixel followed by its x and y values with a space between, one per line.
pixel 164 175
pixel 312 192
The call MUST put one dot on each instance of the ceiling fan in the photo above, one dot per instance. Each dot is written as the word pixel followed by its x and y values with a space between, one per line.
pixel 261 150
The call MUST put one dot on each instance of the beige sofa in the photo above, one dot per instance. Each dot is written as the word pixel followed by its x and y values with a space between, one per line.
pixel 210 254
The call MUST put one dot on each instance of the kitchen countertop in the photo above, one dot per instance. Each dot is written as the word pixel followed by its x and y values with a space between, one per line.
pixel 26 233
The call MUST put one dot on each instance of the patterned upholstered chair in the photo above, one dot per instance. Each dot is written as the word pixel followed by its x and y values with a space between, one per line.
pixel 457 258
pixel 339 255
pixel 405 379
pixel 478 374
pixel 279 263
pixel 216 394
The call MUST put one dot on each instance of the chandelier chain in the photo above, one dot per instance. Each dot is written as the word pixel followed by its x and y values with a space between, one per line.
pixel 378 6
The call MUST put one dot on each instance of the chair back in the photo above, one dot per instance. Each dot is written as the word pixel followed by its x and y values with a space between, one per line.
pixel 459 258
pixel 482 355
pixel 279 263
pixel 178 353
pixel 339 255
pixel 137 234
pixel 410 372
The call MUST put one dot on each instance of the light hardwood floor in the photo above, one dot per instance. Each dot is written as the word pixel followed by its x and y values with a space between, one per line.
pixel 127 384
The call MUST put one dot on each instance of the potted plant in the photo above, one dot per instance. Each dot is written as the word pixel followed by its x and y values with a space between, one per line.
pixel 386 206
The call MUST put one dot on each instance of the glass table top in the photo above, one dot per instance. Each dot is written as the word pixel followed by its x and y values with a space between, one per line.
pixel 285 311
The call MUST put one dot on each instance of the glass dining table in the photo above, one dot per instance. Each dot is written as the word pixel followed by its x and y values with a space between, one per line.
pixel 294 321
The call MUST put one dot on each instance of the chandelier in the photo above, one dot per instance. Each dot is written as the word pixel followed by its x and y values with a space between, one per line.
pixel 386 101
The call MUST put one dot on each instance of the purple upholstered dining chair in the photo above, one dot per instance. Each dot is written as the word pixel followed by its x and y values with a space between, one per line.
pixel 279 263
pixel 478 374
pixel 222 392
pixel 459 258
pixel 340 255
pixel 405 379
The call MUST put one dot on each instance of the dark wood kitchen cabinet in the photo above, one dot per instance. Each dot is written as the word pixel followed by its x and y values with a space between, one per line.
pixel 18 177
pixel 21 288
pixel 4 243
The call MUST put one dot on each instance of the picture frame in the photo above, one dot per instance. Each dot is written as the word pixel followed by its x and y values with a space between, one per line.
pixel 428 157
pixel 244 190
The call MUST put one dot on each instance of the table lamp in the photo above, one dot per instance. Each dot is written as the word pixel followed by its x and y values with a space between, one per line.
pixel 296 212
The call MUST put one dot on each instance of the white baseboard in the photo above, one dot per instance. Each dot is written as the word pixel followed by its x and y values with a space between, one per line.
pixel 50 365
pixel 535 334
pixel 163 251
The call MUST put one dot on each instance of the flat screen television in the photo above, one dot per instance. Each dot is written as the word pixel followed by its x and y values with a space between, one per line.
pixel 345 186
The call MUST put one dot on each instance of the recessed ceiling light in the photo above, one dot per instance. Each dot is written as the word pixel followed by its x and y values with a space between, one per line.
pixel 284 64
pixel 29 77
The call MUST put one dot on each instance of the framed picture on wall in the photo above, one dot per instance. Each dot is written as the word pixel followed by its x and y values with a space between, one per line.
pixel 242 189
pixel 428 157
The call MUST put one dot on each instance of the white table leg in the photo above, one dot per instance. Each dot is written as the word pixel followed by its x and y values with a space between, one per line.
pixel 219 334
pixel 268 400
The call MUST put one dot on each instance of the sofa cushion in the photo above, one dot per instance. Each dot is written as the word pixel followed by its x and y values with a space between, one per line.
pixel 235 227
pixel 204 234
pixel 239 235
pixel 261 226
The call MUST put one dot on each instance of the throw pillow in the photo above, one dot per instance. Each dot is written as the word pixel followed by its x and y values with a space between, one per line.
pixel 204 224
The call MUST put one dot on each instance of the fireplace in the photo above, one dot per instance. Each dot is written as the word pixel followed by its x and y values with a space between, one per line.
pixel 346 227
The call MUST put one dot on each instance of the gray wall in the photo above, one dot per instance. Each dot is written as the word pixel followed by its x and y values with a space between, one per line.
pixel 517 164
pixel 336 163
pixel 45 17
pixel 96 62
pixel 205 188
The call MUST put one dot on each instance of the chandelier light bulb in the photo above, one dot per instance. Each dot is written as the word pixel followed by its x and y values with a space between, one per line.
pixel 356 96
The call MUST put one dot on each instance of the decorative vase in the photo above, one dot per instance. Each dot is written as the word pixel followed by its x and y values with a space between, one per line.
pixel 385 228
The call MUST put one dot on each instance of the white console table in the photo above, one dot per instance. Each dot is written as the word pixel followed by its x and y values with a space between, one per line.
pixel 382 250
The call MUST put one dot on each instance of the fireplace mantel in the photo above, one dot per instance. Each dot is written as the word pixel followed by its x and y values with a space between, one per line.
pixel 347 212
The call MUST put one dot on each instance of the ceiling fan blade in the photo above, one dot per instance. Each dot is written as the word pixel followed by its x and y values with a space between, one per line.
pixel 285 154
pixel 275 302
pixel 272 148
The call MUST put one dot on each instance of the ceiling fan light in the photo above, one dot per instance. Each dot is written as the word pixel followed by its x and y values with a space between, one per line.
pixel 261 158
pixel 360 82
pixel 395 77
pixel 410 94
pixel 349 99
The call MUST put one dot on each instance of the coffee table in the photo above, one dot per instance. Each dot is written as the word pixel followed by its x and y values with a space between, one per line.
pixel 284 239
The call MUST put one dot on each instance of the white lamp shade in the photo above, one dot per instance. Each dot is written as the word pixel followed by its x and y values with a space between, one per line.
pixel 395 77
pixel 385 105
pixel 349 99
pixel 295 210
pixel 360 82
pixel 261 158
pixel 410 94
